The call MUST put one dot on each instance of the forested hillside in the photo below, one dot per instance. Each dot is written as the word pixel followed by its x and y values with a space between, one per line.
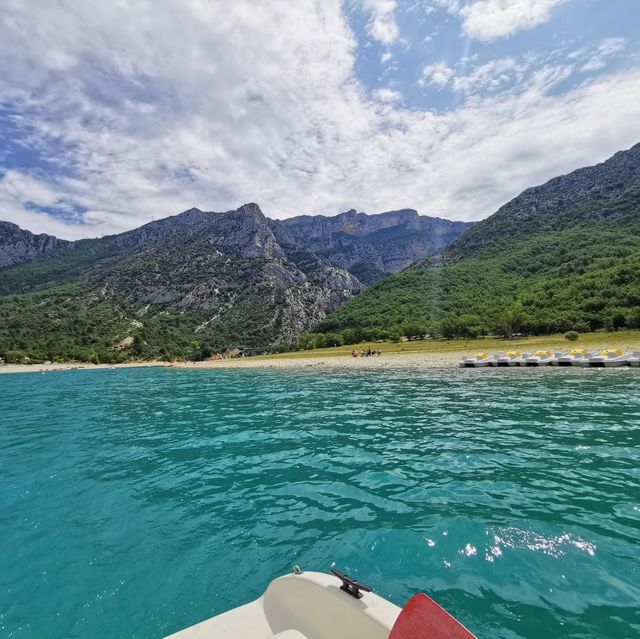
pixel 565 255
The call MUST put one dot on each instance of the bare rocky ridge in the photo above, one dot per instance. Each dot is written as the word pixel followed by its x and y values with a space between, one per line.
pixel 369 246
pixel 17 245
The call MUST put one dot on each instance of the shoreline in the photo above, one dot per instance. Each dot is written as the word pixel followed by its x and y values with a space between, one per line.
pixel 9 369
pixel 344 362
pixel 347 362
pixel 437 355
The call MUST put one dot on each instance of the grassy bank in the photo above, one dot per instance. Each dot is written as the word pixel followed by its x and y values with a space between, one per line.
pixel 629 340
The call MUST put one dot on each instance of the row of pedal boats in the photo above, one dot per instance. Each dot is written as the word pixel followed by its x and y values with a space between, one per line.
pixel 575 357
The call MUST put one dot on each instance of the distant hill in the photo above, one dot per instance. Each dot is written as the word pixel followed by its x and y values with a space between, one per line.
pixel 196 281
pixel 559 256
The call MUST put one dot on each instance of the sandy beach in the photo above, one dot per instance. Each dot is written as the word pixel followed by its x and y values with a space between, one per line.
pixel 398 361
pixel 388 361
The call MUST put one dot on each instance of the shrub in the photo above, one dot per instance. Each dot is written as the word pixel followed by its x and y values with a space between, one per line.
pixel 14 357
pixel 572 336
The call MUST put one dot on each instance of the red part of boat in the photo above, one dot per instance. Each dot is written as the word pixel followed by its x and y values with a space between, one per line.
pixel 423 618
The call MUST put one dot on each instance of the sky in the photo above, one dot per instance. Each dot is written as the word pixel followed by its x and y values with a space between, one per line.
pixel 116 113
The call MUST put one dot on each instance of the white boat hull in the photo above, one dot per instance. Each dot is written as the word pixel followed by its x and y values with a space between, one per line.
pixel 309 605
pixel 476 363
pixel 603 362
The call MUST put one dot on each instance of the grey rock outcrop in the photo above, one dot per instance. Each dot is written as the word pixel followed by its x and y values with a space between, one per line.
pixel 369 246
pixel 17 245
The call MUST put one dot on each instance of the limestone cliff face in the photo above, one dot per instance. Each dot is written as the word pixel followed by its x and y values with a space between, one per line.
pixel 17 245
pixel 369 246
pixel 235 274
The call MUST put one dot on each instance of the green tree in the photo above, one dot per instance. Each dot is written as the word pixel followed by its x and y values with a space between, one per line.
pixel 413 330
pixel 306 341
pixel 581 326
pixel 449 326
pixel 512 319
pixel 633 319
pixel 350 336
pixel 619 319
pixel 333 339
pixel 138 345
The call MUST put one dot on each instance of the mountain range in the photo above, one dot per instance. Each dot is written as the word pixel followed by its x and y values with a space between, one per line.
pixel 198 281
pixel 560 256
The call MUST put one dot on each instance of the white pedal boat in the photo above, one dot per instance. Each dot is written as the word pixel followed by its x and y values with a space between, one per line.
pixel 313 605
pixel 539 358
pixel 478 360
pixel 511 358
pixel 555 358
pixel 607 359
pixel 573 358
pixel 634 359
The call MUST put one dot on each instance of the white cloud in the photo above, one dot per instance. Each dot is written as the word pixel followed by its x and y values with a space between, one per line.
pixel 491 19
pixel 387 95
pixel 146 112
pixel 382 26
pixel 438 74
pixel 492 76
pixel 385 57
pixel 20 192
pixel 607 48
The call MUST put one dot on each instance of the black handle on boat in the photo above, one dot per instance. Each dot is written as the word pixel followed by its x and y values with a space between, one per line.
pixel 350 585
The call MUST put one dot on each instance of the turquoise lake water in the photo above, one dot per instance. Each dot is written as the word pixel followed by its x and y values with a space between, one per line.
pixel 137 502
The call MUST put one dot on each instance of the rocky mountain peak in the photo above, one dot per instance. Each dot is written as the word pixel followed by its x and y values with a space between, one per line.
pixel 251 208
pixel 245 231
pixel 17 245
